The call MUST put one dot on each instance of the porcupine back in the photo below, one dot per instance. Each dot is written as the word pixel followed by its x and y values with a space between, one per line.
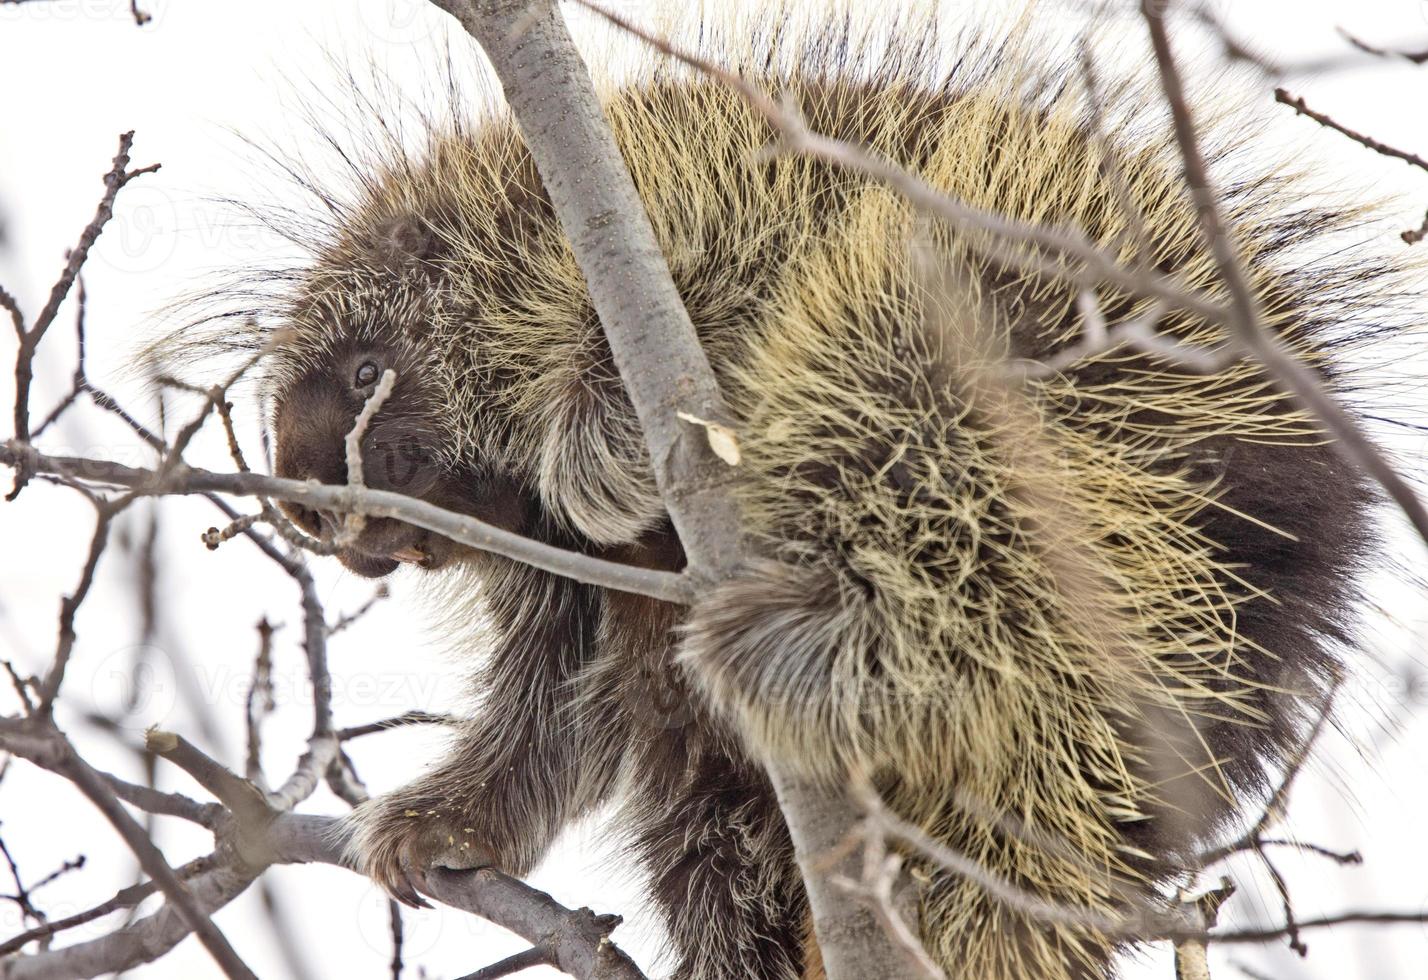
pixel 1095 605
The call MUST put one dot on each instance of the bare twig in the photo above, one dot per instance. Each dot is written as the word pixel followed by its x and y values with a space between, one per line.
pixel 1410 236
pixel 1138 923
pixel 126 898
pixel 1412 57
pixel 1413 236
pixel 259 702
pixel 1246 323
pixel 883 888
pixel 354 522
pixel 1274 808
pixel 394 916
pixel 119 175
pixel 1236 50
pixel 410 718
pixel 183 479
pixel 69 605
pixel 22 686
pixel 1139 334
pixel 1270 933
pixel 1338 857
pixel 1298 104
pixel 79 381
pixel 1110 163
pixel 23 896
pixel 151 800
pixel 1286 903
pixel 347 619
pixel 524 960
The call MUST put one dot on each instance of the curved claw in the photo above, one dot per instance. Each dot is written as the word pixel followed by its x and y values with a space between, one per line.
pixel 405 891
pixel 396 844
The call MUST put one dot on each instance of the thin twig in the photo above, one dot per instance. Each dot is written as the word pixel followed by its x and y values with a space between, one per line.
pixel 1412 57
pixel 527 959
pixel 118 176
pixel 879 888
pixel 69 605
pixel 183 479
pixel 79 381
pixel 354 522
pixel 1413 236
pixel 151 800
pixel 259 703
pixel 1246 322
pixel 1282 96
pixel 394 916
pixel 1274 808
pixel 1018 244
pixel 347 619
pixel 409 718
pixel 126 898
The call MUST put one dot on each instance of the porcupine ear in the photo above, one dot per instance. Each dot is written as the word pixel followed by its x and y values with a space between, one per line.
pixel 404 242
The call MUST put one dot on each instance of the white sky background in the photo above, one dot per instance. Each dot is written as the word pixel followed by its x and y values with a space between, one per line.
pixel 76 73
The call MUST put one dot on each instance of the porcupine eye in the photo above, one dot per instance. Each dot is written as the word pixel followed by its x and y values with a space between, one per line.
pixel 366 375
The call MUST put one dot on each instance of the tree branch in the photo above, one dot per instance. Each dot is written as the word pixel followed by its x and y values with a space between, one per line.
pixel 57 755
pixel 114 181
pixel 1300 107
pixel 667 375
pixel 1246 323
pixel 183 479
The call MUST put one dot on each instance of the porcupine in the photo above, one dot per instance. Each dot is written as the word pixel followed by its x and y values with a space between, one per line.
pixel 1067 621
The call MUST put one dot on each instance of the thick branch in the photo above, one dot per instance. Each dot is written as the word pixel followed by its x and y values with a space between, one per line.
pixel 134 945
pixel 577 940
pixel 667 376
pixel 56 754
pixel 661 363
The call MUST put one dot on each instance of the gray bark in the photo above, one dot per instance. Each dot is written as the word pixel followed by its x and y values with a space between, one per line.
pixel 574 937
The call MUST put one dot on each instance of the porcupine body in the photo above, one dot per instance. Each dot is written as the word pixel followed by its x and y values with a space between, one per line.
pixel 1066 622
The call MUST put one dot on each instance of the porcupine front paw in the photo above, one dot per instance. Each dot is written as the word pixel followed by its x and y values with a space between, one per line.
pixel 397 838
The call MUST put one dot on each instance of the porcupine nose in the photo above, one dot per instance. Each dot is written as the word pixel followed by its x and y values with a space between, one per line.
pixel 310 463
pixel 307 449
